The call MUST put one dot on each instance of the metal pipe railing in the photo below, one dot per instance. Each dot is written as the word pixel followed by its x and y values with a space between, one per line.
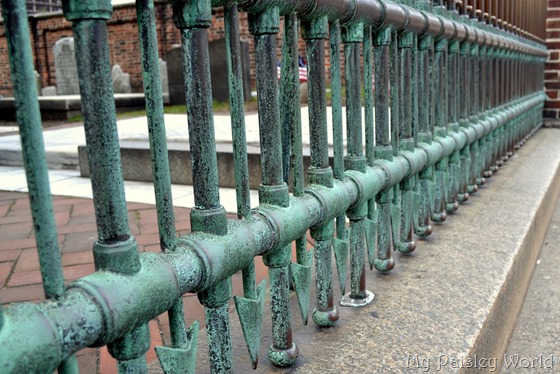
pixel 434 136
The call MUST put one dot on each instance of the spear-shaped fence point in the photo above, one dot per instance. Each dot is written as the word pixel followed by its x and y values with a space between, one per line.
pixel 395 224
pixel 440 197
pixel 180 360
pixel 371 238
pixel 405 244
pixel 452 188
pixel 250 313
pixel 301 278
pixel 341 257
pixel 415 206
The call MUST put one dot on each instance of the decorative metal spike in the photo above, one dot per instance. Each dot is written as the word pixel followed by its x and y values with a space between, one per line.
pixel 445 186
pixel 431 196
pixel 341 257
pixel 250 312
pixel 415 206
pixel 395 223
pixel 301 277
pixel 180 360
pixel 371 238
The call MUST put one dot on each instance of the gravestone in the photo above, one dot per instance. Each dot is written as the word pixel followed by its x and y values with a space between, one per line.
pixel 246 69
pixel 121 80
pixel 38 82
pixel 65 67
pixel 48 91
pixel 164 77
pixel 218 71
pixel 304 93
pixel 175 76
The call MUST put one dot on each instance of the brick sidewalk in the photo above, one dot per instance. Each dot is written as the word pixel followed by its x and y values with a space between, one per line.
pixel 20 277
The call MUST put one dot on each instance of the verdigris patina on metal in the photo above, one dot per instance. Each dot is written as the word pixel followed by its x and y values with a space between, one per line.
pixel 429 135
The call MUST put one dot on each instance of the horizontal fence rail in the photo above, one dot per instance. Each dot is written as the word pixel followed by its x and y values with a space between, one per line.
pixel 437 99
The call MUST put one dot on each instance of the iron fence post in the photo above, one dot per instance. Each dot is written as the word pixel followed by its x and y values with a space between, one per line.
pixel 115 250
pixel 193 19
pixel 424 156
pixel 320 173
pixel 273 190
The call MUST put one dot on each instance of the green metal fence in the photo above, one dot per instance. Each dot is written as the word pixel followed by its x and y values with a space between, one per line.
pixel 454 96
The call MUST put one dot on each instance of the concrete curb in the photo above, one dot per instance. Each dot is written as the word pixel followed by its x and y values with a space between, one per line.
pixel 451 304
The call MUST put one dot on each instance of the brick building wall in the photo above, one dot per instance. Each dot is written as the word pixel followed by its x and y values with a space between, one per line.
pixel 47 29
pixel 552 71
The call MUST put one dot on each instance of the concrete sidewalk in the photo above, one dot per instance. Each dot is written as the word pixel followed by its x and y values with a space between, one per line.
pixel 535 343
pixel 20 277
pixel 413 313
pixel 61 144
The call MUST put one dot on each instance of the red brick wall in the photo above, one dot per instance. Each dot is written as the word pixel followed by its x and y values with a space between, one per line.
pixel 46 30
pixel 123 42
pixel 552 71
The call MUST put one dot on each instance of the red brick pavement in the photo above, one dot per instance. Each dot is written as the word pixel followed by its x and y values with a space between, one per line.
pixel 20 277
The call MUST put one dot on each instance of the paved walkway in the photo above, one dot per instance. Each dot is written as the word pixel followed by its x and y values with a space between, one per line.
pixel 20 277
pixel 535 342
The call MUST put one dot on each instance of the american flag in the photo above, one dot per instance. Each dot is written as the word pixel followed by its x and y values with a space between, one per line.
pixel 302 70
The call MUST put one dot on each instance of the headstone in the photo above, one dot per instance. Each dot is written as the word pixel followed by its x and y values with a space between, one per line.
pixel 48 91
pixel 65 67
pixel 219 72
pixel 246 68
pixel 304 93
pixel 164 77
pixel 175 76
pixel 38 82
pixel 121 80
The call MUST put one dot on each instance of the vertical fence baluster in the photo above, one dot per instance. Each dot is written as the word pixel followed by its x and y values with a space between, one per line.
pixel 486 104
pixel 450 116
pixel 389 211
pixel 483 99
pixel 423 227
pixel 382 42
pixel 320 173
pixel 506 153
pixel 415 123
pixel 115 250
pixel 406 44
pixel 494 103
pixel 453 120
pixel 340 243
pixel 290 117
pixel 500 81
pixel 181 355
pixel 480 110
pixel 237 99
pixel 290 114
pixel 464 82
pixel 371 221
pixel 33 148
pixel 352 36
pixel 440 121
pixel 193 19
pixel 473 92
pixel 250 307
pixel 273 191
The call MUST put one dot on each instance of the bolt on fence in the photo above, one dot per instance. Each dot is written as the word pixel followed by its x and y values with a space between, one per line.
pixel 450 91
